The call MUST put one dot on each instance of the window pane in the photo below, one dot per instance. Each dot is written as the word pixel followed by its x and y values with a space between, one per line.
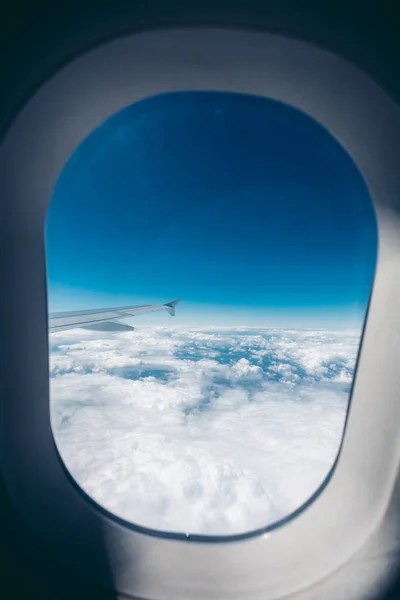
pixel 229 416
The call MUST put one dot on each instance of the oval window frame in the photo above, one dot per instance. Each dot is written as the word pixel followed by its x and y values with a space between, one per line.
pixel 329 529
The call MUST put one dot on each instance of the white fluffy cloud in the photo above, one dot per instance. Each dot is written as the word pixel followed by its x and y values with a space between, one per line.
pixel 211 431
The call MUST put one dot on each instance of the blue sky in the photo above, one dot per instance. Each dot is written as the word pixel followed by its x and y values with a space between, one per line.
pixel 244 207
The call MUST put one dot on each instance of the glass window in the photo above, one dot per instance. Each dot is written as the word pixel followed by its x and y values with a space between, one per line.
pixel 228 416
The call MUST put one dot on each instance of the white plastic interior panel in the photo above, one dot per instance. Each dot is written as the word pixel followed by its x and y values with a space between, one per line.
pixel 335 524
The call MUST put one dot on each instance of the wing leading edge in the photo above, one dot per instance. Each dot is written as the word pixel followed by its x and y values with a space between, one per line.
pixel 104 319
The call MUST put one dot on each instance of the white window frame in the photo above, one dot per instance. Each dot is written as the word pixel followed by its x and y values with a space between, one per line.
pixel 332 526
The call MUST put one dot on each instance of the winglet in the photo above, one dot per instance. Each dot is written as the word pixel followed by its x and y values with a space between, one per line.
pixel 170 306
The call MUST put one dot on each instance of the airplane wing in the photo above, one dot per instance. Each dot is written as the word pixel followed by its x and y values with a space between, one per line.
pixel 104 319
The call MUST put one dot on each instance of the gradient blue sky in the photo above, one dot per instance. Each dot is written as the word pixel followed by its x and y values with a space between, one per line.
pixel 244 207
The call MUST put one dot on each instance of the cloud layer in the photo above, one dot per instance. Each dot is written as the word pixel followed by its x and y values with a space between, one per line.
pixel 200 431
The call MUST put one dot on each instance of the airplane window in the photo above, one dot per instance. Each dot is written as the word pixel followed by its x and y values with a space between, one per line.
pixel 248 223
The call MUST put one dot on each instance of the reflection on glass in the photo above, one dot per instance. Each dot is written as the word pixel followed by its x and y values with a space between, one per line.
pixel 229 416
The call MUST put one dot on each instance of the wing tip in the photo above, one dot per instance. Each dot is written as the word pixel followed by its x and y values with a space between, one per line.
pixel 170 306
